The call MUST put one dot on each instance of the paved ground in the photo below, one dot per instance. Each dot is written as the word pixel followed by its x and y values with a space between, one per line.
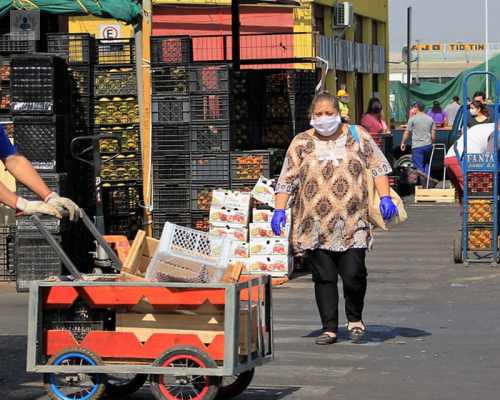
pixel 433 328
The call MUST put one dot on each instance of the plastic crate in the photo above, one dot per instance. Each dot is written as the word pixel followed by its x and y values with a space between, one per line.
pixel 120 201
pixel 115 51
pixel 200 221
pixel 126 225
pixel 308 81
pixel 480 237
pixel 40 84
pixel 35 260
pixel 394 183
pixel 167 197
pixel 18 42
pixel 130 139
pixel 59 183
pixel 277 107
pixel 277 82
pixel 5 99
pixel 479 184
pixel 160 218
pixel 210 78
pixel 83 76
pixel 251 164
pixel 84 112
pixel 201 197
pixel 170 139
pixel 277 133
pixel 8 128
pixel 122 169
pixel 5 71
pixel 189 255
pixel 171 50
pixel 111 82
pixel 43 140
pixel 210 168
pixel 480 211
pixel 53 225
pixel 116 111
pixel 243 185
pixel 301 105
pixel 172 168
pixel 169 110
pixel 7 253
pixel 211 137
pixel 278 160
pixel 170 80
pixel 212 108
pixel 79 47
pixel 244 135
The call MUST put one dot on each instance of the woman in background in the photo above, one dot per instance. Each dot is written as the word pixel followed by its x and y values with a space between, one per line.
pixel 372 121
pixel 439 116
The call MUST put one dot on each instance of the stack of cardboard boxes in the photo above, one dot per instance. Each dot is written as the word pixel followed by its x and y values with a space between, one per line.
pixel 254 242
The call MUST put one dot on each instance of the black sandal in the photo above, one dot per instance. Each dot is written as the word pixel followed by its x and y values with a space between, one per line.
pixel 326 339
pixel 356 333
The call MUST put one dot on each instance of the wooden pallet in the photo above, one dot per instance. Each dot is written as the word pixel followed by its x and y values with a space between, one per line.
pixel 435 195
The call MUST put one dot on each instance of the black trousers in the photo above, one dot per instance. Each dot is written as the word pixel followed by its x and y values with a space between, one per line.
pixel 326 266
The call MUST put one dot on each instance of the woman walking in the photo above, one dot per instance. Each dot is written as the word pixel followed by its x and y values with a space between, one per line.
pixel 324 168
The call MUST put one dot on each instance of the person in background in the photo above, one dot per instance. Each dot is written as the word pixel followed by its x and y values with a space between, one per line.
pixel 423 131
pixel 479 114
pixel 372 121
pixel 439 116
pixel 344 98
pixel 23 171
pixel 468 100
pixel 479 96
pixel 324 168
pixel 452 109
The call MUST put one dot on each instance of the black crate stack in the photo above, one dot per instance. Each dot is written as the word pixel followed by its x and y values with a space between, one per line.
pixel 116 112
pixel 192 114
pixel 7 253
pixel 270 121
pixel 41 104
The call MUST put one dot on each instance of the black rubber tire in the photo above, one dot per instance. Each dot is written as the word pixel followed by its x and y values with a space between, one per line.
pixel 405 161
pixel 234 388
pixel 126 387
pixel 202 387
pixel 60 356
pixel 457 248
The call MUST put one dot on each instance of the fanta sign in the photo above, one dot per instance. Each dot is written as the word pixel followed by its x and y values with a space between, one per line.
pixel 480 162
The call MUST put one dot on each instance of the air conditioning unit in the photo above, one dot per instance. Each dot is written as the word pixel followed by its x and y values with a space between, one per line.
pixel 343 15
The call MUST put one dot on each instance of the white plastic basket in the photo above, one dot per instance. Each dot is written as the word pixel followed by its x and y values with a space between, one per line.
pixel 189 255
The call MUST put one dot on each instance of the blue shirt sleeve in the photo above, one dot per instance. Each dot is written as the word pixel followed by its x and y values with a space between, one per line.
pixel 6 147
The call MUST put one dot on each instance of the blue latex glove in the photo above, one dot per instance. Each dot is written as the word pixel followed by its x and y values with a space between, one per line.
pixel 388 208
pixel 279 220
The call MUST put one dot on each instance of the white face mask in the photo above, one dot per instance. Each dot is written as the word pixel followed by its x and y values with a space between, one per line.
pixel 473 112
pixel 326 126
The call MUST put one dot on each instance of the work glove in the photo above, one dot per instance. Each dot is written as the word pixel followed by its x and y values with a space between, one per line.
pixel 279 220
pixel 388 208
pixel 26 207
pixel 63 203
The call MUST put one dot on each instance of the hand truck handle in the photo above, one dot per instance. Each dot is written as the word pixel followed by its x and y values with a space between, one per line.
pixel 62 254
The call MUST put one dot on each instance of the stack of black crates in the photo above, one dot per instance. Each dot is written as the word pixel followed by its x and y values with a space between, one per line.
pixel 41 105
pixel 480 198
pixel 116 112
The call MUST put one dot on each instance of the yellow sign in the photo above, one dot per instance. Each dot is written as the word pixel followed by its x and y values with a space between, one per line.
pixel 427 47
pixel 467 47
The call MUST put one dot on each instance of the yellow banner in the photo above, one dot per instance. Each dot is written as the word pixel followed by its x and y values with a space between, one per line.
pixel 427 47
pixel 467 47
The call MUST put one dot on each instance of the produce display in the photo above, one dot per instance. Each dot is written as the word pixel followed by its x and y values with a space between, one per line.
pixel 5 72
pixel 129 139
pixel 277 107
pixel 121 168
pixel 81 81
pixel 9 129
pixel 115 82
pixel 204 199
pixel 480 238
pixel 170 80
pixel 242 109
pixel 250 167
pixel 242 134
pixel 201 223
pixel 116 111
pixel 479 183
pixel 277 133
pixel 278 82
pixel 5 100
pixel 480 211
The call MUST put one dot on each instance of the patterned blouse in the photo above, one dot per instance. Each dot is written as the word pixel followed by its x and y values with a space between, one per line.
pixel 331 202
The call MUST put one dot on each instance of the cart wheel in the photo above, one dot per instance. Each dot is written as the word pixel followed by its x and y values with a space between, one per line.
pixel 232 386
pixel 124 384
pixel 457 248
pixel 194 387
pixel 74 385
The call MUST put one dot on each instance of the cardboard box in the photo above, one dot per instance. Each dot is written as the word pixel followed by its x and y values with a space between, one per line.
pixel 264 230
pixel 269 246
pixel 230 208
pixel 263 191
pixel 263 216
pixel 239 234
pixel 239 250
pixel 272 265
